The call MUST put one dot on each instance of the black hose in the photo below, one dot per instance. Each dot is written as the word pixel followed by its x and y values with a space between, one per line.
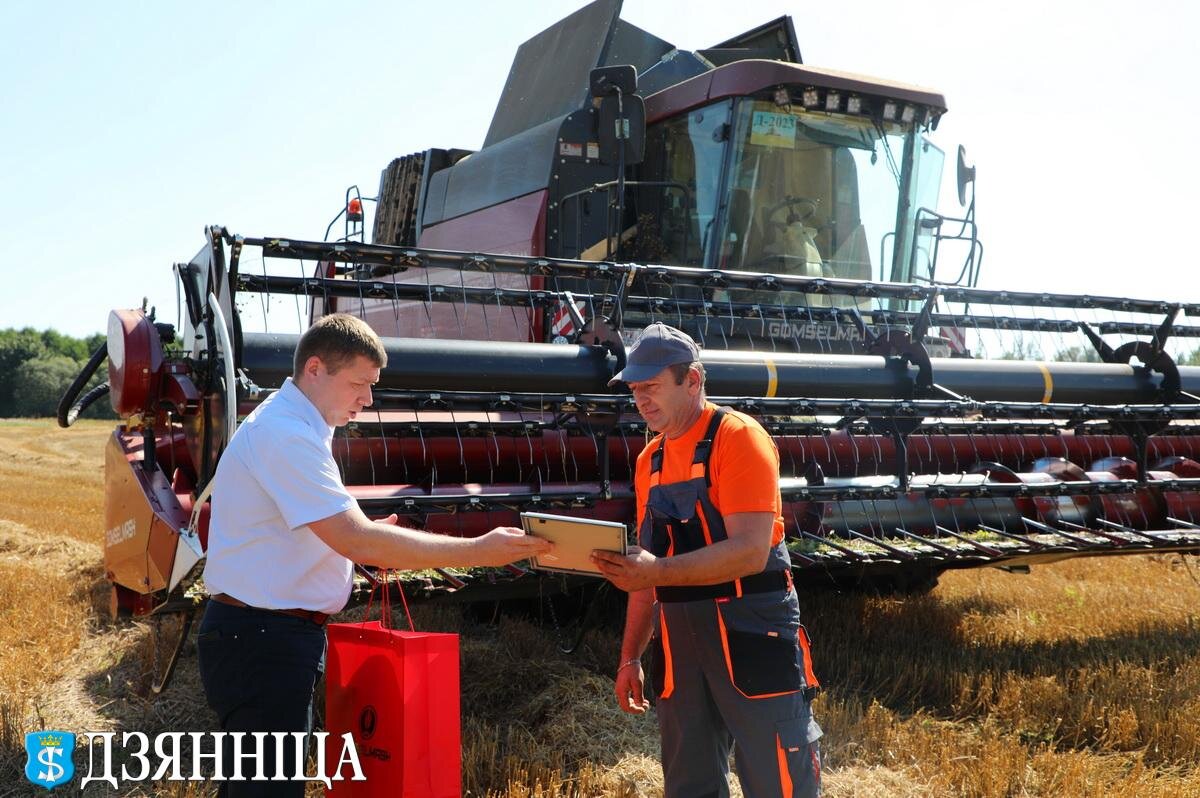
pixel 68 408
pixel 91 396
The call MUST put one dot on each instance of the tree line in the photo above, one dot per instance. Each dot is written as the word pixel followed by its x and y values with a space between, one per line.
pixel 37 367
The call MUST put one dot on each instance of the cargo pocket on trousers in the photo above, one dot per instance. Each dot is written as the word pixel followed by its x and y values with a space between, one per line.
pixel 761 660
pixel 799 756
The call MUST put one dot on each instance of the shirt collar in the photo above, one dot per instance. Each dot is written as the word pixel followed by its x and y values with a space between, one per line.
pixel 296 399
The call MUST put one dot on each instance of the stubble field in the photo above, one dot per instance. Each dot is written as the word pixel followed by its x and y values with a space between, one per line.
pixel 1081 679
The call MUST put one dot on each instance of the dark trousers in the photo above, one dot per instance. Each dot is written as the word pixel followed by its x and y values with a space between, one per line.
pixel 259 671
pixel 774 736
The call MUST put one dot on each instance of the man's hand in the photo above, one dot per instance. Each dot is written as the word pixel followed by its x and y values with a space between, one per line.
pixel 637 570
pixel 629 689
pixel 388 543
pixel 506 544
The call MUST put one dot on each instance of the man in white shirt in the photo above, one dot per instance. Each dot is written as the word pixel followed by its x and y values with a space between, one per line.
pixel 284 535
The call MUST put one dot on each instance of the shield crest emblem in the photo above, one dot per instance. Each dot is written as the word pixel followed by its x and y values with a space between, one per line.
pixel 49 760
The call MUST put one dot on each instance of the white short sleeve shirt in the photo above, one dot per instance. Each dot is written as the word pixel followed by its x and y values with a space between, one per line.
pixel 276 476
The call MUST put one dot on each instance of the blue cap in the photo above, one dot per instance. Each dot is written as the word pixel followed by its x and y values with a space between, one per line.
pixel 658 346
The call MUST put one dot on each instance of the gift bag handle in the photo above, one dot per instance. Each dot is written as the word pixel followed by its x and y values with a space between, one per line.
pixel 385 602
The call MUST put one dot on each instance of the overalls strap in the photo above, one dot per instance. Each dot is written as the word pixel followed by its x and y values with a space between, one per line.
pixel 703 447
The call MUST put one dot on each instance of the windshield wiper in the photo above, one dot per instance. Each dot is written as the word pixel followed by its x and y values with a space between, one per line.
pixel 887 151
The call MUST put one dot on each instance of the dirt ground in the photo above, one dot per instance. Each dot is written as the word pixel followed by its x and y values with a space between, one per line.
pixel 1080 679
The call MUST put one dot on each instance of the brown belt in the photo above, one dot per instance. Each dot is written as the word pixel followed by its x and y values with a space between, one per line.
pixel 319 618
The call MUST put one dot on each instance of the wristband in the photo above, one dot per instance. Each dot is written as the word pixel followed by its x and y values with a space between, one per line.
pixel 636 661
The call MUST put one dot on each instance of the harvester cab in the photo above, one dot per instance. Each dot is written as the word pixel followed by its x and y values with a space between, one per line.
pixel 736 157
pixel 783 215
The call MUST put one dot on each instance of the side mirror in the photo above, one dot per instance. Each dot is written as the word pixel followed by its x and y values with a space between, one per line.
pixel 621 115
pixel 604 81
pixel 966 175
pixel 622 122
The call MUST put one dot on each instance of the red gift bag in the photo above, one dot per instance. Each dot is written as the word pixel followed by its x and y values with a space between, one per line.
pixel 398 694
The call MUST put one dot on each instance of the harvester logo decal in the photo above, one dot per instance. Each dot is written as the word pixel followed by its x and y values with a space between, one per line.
pixel 814 331
pixel 120 533
pixel 48 760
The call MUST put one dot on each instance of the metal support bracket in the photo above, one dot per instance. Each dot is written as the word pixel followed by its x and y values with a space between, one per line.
pixel 1155 359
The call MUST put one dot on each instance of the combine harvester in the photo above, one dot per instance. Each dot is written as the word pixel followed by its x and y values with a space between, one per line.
pixel 782 215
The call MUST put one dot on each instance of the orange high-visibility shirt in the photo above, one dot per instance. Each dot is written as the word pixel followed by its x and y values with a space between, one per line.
pixel 743 465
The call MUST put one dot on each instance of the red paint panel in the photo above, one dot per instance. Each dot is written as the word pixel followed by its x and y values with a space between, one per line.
pixel 516 227
pixel 678 98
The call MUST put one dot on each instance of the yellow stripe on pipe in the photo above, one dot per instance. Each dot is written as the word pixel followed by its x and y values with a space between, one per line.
pixel 772 377
pixel 1049 381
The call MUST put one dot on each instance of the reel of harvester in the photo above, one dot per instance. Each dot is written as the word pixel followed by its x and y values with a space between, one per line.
pixel 896 464
pixel 920 427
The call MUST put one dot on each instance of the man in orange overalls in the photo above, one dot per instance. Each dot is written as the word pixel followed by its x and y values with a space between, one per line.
pixel 710 590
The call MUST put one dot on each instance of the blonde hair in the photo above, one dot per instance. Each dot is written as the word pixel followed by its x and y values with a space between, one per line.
pixel 337 339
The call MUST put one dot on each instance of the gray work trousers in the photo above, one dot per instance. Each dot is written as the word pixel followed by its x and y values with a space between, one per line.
pixel 706 710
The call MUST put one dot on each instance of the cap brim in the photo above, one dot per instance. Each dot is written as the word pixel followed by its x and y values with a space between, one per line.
pixel 637 374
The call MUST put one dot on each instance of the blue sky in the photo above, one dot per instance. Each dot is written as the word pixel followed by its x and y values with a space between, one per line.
pixel 127 127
